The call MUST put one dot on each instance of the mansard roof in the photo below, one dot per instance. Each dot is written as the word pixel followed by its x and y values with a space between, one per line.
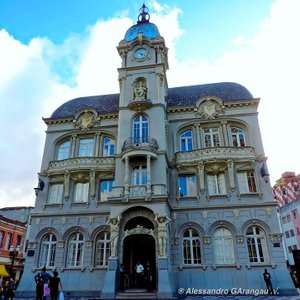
pixel 177 96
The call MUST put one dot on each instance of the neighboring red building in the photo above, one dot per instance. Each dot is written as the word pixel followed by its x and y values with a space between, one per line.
pixel 286 192
pixel 12 236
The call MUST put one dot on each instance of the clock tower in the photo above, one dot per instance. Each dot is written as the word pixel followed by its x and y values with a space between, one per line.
pixel 142 109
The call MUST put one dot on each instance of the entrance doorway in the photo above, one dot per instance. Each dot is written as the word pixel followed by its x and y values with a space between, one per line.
pixel 140 248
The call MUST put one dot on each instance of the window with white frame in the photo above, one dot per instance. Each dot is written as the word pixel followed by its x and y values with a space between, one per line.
pixel 108 147
pixel 63 151
pixel 1 238
pixel 257 245
pixel 75 250
pixel 139 175
pixel 86 147
pixel 216 184
pixel 238 137
pixel 187 185
pixel 8 241
pixel 246 182
pixel 81 192
pixel 223 246
pixel 55 193
pixel 140 129
pixel 191 247
pixel 48 250
pixel 186 141
pixel 102 251
pixel 211 137
pixel 106 188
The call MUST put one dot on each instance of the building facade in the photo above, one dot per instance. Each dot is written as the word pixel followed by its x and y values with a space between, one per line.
pixel 12 241
pixel 286 192
pixel 170 177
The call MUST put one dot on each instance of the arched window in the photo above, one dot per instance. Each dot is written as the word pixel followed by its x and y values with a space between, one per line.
pixel 257 245
pixel 191 247
pixel 140 175
pixel 140 129
pixel 48 250
pixel 186 141
pixel 238 137
pixel 63 151
pixel 108 147
pixel 223 246
pixel 102 251
pixel 75 250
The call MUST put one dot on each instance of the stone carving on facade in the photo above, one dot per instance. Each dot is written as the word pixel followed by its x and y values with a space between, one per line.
pixel 276 238
pixel 209 109
pixel 85 120
pixel 240 239
pixel 140 90
pixel 139 230
pixel 207 240
pixel 162 229
pixel 114 224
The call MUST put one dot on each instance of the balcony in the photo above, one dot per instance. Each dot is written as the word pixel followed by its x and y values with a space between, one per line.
pixel 139 147
pixel 98 164
pixel 214 154
pixel 140 104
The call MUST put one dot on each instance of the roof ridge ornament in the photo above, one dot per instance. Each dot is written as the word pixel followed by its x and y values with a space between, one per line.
pixel 144 16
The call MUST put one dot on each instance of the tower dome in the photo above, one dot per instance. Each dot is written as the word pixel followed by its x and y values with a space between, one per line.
pixel 143 25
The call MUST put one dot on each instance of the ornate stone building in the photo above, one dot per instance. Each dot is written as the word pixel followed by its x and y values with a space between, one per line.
pixel 170 177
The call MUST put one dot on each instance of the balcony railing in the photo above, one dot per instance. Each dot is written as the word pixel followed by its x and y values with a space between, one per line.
pixel 144 143
pixel 82 163
pixel 216 153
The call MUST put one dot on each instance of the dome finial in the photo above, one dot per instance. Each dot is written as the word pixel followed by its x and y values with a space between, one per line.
pixel 144 15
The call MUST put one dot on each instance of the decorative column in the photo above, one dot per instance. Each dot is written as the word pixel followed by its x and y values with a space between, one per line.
pixel 148 192
pixel 66 184
pixel 200 168
pixel 225 135
pixel 231 174
pixel 126 192
pixel 93 183
pixel 97 144
pixel 73 145
pixel 198 141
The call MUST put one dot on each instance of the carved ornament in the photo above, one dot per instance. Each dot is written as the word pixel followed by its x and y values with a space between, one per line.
pixel 209 109
pixel 86 120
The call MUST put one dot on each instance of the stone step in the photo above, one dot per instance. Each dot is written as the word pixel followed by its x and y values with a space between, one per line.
pixel 136 294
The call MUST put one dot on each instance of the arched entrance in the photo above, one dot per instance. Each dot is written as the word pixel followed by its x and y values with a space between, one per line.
pixel 139 246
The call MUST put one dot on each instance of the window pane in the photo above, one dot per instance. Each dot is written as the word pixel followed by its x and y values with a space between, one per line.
pixel 63 151
pixel 81 192
pixel 108 147
pixel 102 252
pixel 191 247
pixel 105 189
pixel 86 147
pixel 186 141
pixel 187 186
pixel 55 194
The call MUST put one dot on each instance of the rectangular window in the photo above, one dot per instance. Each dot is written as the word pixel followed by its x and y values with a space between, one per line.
pixel 55 193
pixel 1 238
pixel 298 231
pixel 292 233
pixel 86 147
pixel 287 234
pixel 216 184
pixel 81 192
pixel 8 241
pixel 105 189
pixel 187 186
pixel 246 182
pixel 290 249
pixel 294 247
pixel 283 220
pixel 288 218
pixel 211 137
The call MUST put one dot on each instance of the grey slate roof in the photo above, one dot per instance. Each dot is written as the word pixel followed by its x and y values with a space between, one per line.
pixel 178 96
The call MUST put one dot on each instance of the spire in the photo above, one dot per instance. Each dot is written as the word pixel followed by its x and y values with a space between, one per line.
pixel 144 16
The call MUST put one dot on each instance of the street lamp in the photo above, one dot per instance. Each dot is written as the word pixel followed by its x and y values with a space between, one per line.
pixel 13 253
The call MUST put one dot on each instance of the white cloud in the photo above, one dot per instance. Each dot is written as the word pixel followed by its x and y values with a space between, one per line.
pixel 38 77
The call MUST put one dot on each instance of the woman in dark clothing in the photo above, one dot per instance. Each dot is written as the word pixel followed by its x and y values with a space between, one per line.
pixel 54 282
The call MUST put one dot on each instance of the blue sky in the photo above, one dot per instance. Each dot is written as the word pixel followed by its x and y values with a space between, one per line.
pixel 55 50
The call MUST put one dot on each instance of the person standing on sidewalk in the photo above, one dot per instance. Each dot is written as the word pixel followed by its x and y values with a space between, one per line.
pixel 267 278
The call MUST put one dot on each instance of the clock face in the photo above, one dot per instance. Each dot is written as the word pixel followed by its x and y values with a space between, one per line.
pixel 140 53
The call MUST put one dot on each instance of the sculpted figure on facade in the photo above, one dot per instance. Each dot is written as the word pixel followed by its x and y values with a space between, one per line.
pixel 114 233
pixel 139 90
pixel 162 229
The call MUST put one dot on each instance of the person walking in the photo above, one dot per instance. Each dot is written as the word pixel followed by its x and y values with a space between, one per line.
pixel 122 277
pixel 139 269
pixel 54 284
pixel 267 278
pixel 41 281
